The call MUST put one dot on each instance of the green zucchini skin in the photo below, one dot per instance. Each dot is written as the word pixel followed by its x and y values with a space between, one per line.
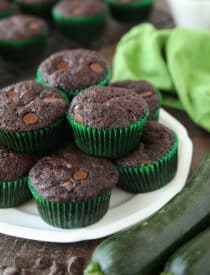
pixel 192 258
pixel 144 248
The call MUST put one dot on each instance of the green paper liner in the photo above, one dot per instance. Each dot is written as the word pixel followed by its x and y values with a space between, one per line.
pixel 147 178
pixel 23 50
pixel 71 94
pixel 39 141
pixel 107 143
pixel 84 28
pixel 38 9
pixel 6 13
pixel 130 12
pixel 71 215
pixel 14 193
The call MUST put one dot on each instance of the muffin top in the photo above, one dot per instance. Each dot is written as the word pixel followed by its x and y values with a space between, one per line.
pixel 36 1
pixel 77 8
pixel 70 70
pixel 14 165
pixel 4 4
pixel 21 27
pixel 157 140
pixel 72 176
pixel 143 88
pixel 28 106
pixel 107 107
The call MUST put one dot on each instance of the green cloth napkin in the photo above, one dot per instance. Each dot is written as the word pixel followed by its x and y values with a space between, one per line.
pixel 176 61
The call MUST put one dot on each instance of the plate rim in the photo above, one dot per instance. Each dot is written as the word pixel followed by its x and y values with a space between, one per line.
pixel 57 235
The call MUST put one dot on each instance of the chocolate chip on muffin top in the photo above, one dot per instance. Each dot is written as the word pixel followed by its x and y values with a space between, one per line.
pixel 19 27
pixel 28 106
pixel 157 140
pixel 72 176
pixel 70 70
pixel 107 107
pixel 77 8
pixel 143 88
pixel 14 165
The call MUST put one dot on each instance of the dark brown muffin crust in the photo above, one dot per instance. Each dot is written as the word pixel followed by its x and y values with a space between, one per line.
pixel 28 106
pixel 107 107
pixel 157 140
pixel 21 27
pixel 14 165
pixel 36 1
pixel 75 8
pixel 72 176
pixel 4 5
pixel 143 88
pixel 70 70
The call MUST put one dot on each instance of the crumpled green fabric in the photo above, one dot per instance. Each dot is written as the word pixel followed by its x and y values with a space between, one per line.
pixel 176 61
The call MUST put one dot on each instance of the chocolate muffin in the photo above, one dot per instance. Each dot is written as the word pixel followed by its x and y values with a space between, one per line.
pixel 154 162
pixel 147 91
pixel 81 20
pixel 73 70
pixel 76 184
pixel 79 8
pixel 107 121
pixel 14 168
pixel 31 116
pixel 130 10
pixel 37 7
pixel 22 36
pixel 5 8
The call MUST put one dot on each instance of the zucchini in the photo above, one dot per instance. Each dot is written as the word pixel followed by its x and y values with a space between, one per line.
pixel 144 248
pixel 193 258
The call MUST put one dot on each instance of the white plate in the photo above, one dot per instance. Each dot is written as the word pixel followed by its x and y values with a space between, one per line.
pixel 125 209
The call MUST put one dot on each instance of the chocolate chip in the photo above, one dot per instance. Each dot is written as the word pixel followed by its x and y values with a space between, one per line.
pixel 68 185
pixel 146 94
pixel 33 26
pixel 76 11
pixel 96 68
pixel 75 265
pixel 132 117
pixel 57 269
pixel 80 175
pixel 12 94
pixel 146 162
pixel 42 263
pixel 78 118
pixel 78 107
pixel 62 65
pixel 30 118
pixel 11 271
pixel 52 99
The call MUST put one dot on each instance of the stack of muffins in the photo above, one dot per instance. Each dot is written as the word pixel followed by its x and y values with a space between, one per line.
pixel 113 138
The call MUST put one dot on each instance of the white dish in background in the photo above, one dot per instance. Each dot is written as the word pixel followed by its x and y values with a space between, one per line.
pixel 191 13
pixel 125 209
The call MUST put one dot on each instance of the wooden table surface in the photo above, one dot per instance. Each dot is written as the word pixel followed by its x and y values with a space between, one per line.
pixel 21 252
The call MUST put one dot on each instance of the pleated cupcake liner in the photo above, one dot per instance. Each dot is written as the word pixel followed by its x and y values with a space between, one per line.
pixel 38 9
pixel 14 193
pixel 83 29
pixel 71 215
pixel 107 143
pixel 39 141
pixel 155 114
pixel 147 178
pixel 71 94
pixel 130 12
pixel 6 13
pixel 24 50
